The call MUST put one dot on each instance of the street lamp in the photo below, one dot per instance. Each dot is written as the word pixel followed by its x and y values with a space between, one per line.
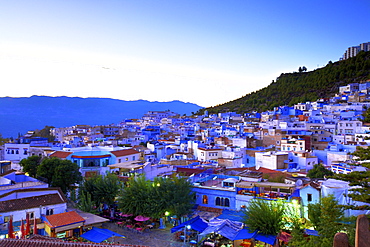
pixel 188 227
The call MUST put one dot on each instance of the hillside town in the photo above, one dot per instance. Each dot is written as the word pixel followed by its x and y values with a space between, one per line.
pixel 230 159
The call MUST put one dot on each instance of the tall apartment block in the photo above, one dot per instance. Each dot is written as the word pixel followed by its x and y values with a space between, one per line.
pixel 352 51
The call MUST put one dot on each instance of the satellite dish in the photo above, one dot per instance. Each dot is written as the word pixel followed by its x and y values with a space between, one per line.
pixel 299 182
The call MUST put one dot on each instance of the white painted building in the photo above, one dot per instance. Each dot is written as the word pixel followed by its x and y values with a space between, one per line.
pixel 271 160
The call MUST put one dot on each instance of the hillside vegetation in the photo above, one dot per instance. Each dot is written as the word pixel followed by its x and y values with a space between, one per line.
pixel 299 87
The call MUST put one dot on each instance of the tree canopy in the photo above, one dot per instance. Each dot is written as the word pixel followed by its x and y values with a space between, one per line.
pixel 45 132
pixel 99 190
pixel 30 164
pixel 325 216
pixel 3 140
pixel 268 217
pixel 153 199
pixel 319 171
pixel 59 173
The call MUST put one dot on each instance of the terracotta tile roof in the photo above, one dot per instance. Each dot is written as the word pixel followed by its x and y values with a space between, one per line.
pixel 60 154
pixel 63 219
pixel 124 152
pixel 188 171
pixel 43 241
pixel 31 202
pixel 313 185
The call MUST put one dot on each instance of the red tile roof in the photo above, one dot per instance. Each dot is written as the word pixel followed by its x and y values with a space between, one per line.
pixel 31 202
pixel 60 154
pixel 189 171
pixel 64 219
pixel 124 152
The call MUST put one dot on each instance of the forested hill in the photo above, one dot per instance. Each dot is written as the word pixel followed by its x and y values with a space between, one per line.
pixel 300 87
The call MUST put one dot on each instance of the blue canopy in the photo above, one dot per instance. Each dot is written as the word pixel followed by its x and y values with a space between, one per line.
pixel 196 223
pixel 268 239
pixel 225 227
pixel 98 235
pixel 232 215
pixel 311 232
pixel 244 233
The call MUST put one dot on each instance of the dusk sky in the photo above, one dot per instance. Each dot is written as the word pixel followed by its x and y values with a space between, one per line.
pixel 205 52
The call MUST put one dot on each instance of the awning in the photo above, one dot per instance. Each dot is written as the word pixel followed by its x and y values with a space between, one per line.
pixel 197 224
pixel 98 235
pixel 232 215
pixel 224 227
pixel 268 239
pixel 244 233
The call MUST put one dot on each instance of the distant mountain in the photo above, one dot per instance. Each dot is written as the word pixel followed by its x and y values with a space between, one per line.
pixel 300 87
pixel 19 115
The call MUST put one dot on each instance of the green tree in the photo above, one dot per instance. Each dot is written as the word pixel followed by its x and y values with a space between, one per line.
pixel 175 194
pixel 3 140
pixel 366 116
pixel 326 217
pixel 101 189
pixel 30 164
pixel 86 204
pixel 297 232
pixel 137 197
pixel 45 132
pixel 319 171
pixel 59 173
pixel 153 199
pixel 328 223
pixel 268 217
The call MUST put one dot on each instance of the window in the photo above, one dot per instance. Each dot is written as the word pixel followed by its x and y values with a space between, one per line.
pixel 205 199
pixel 227 202
pixel 50 211
pixel 309 197
pixel 220 201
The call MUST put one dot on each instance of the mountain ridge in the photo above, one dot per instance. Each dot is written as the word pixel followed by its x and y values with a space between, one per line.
pixel 21 114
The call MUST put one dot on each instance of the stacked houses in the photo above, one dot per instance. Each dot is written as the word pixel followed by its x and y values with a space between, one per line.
pixel 230 158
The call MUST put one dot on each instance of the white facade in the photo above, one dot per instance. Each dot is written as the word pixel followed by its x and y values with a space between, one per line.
pixel 204 154
pixel 271 160
pixel 16 152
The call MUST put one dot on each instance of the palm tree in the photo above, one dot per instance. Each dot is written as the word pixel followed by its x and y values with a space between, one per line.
pixel 268 217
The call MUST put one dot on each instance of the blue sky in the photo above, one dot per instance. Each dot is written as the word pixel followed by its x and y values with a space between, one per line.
pixel 205 52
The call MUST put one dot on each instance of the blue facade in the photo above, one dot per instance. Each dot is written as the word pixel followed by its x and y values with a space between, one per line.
pixel 215 198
